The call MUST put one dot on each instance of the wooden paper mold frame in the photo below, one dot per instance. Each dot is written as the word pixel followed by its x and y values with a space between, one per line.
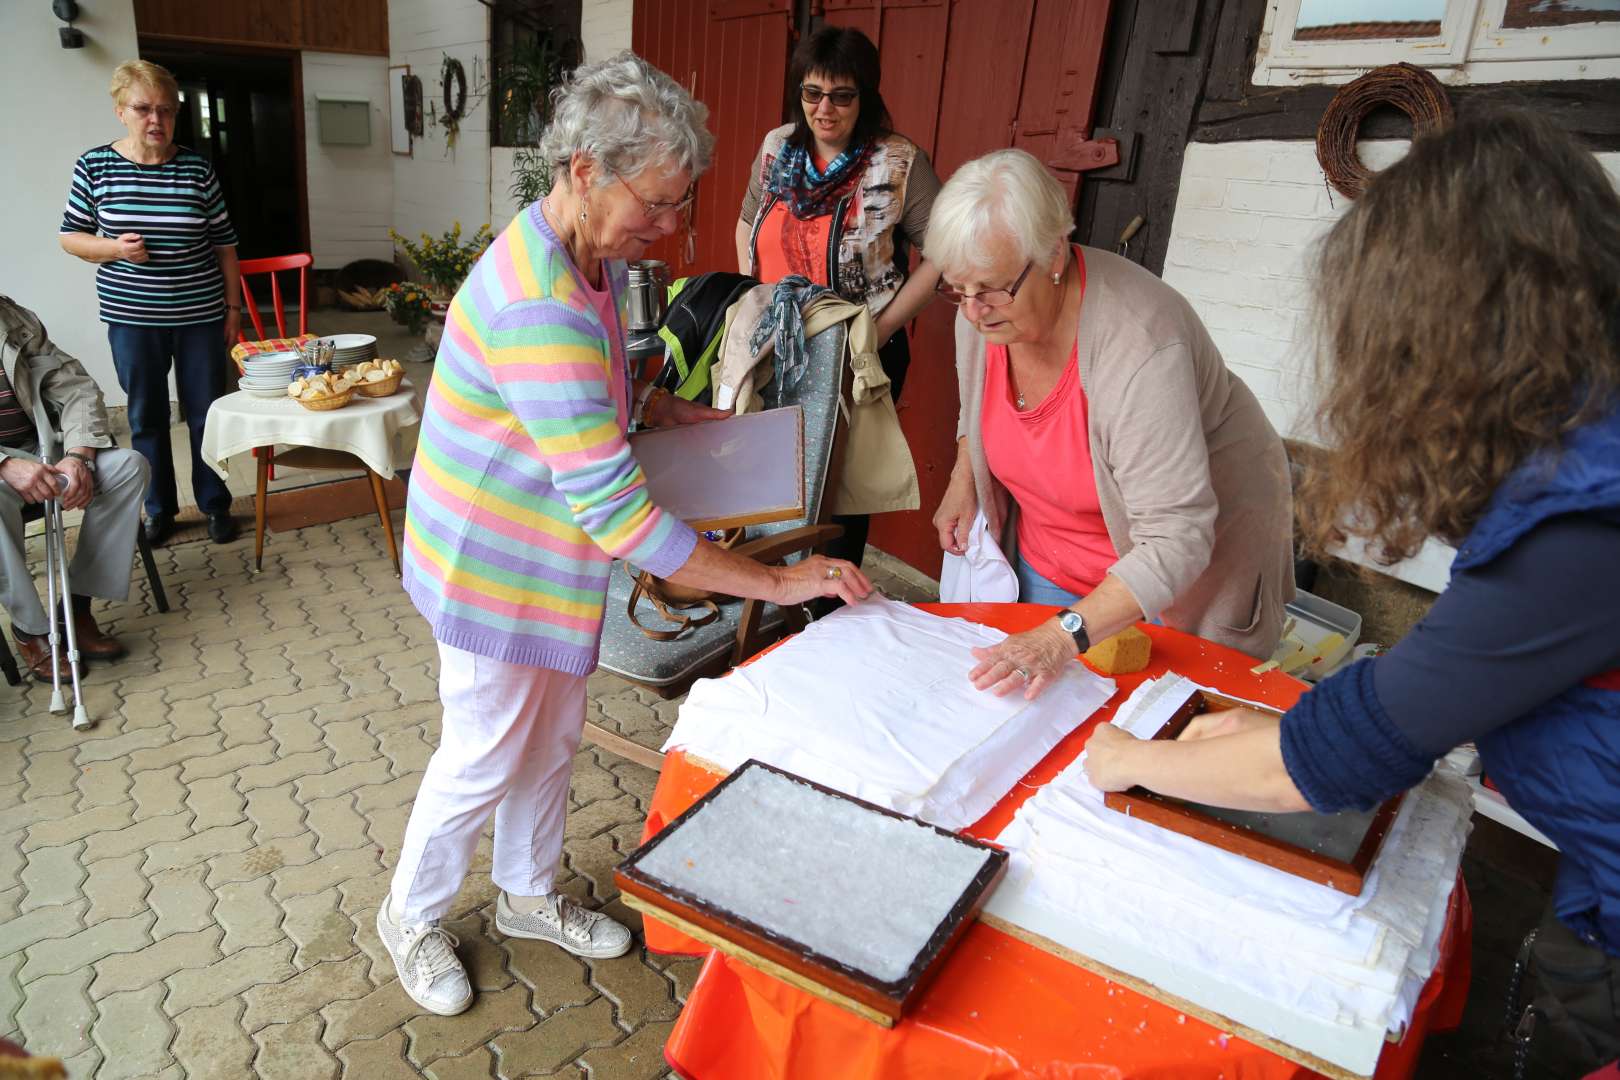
pixel 777 954
pixel 744 470
pixel 1346 874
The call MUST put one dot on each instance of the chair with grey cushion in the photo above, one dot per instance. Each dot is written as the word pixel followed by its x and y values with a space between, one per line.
pixel 743 627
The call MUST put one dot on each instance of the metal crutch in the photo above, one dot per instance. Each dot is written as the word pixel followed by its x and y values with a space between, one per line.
pixel 56 536
pixel 58 706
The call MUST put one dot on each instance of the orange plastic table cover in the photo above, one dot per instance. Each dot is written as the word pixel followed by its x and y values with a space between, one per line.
pixel 999 1007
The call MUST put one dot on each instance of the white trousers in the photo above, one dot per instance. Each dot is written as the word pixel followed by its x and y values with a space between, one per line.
pixel 508 742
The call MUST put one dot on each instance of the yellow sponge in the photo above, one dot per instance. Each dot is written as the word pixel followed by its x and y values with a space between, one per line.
pixel 1125 653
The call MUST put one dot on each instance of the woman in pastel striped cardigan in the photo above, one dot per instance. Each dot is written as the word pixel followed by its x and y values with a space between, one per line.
pixel 523 492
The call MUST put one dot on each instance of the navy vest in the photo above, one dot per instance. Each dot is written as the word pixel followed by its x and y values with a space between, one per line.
pixel 1559 765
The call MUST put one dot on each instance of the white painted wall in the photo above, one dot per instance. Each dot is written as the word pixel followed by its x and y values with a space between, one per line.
pixel 604 27
pixel 351 188
pixel 1246 215
pixel 59 108
pixel 435 186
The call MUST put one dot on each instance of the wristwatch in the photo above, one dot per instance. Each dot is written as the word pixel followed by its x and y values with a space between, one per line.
pixel 1075 624
pixel 89 463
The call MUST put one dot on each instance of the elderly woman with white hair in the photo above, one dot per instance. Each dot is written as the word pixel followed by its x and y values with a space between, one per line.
pixel 1126 472
pixel 523 492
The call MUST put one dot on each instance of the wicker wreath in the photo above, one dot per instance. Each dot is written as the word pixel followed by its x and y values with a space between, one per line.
pixel 1407 87
pixel 454 78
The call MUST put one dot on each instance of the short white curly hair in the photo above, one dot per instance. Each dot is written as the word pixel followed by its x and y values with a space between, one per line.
pixel 627 116
pixel 1008 194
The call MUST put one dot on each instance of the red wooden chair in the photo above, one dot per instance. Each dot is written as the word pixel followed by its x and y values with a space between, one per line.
pixel 251 267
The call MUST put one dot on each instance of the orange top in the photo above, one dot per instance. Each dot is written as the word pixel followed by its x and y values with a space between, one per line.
pixel 1001 1009
pixel 786 245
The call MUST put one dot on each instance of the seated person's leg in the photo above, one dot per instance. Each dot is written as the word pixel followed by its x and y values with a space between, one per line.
pixel 105 554
pixel 29 623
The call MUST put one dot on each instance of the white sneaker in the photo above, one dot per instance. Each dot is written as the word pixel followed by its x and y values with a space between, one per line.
pixel 564 923
pixel 425 957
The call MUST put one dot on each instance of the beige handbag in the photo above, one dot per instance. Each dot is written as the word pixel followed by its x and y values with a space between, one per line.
pixel 671 601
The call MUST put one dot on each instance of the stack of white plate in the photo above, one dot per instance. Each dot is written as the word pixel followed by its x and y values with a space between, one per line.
pixel 267 375
pixel 351 349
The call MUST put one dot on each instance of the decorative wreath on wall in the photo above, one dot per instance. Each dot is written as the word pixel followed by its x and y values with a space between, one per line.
pixel 454 77
pixel 1409 88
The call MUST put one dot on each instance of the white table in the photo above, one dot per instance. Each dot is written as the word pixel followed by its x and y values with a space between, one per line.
pixel 375 433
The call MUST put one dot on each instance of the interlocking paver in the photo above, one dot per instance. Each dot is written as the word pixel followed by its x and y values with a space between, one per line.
pixel 293 1052
pixel 382 1058
pixel 43 924
pixel 274 813
pixel 232 760
pixel 12 858
pixel 56 1014
pixel 199 848
pixel 482 956
pixel 343 780
pixel 57 956
pixel 115 888
pixel 415 684
pixel 282 770
pixel 261 860
pixel 50 810
pixel 557 978
pixel 119 746
pixel 199 689
pixel 11 993
pixel 320 929
pixel 213 803
pixel 408 749
pixel 105 783
pixel 348 739
pixel 421 712
pixel 157 792
pixel 243 725
pixel 478 1064
pixel 248 914
pixel 133 1034
pixel 603 815
pixel 53 772
pixel 172 752
pixel 304 700
pixel 383 1010
pixel 254 692
pixel 295 733
pixel 641 993
pixel 211 1043
pixel 638 1057
pixel 558 1039
pixel 146 967
pixel 182 900
pixel 396 792
pixel 324 872
pixel 53 876
pixel 434 1037
pixel 228 979
pixel 314 988
pixel 74 827
pixel 337 825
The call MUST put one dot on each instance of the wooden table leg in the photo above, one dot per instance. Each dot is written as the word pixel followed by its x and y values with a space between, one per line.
pixel 382 515
pixel 260 496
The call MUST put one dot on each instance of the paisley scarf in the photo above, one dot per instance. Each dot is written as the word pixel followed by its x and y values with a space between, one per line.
pixel 808 191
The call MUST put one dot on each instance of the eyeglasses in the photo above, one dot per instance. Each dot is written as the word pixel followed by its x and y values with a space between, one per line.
pixel 653 209
pixel 988 297
pixel 163 112
pixel 843 97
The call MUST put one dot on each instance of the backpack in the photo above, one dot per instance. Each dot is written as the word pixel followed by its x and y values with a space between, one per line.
pixel 693 326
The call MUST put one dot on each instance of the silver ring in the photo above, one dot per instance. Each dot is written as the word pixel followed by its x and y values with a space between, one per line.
pixel 834 573
pixel 1024 671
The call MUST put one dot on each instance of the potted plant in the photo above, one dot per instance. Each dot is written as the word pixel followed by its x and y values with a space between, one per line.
pixel 443 262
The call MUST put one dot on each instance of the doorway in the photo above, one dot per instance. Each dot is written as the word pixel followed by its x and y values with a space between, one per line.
pixel 239 110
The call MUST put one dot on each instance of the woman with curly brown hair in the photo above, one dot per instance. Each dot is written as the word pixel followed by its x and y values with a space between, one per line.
pixel 1470 309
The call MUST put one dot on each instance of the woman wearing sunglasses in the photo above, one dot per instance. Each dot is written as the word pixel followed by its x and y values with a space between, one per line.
pixel 839 198
pixel 1127 473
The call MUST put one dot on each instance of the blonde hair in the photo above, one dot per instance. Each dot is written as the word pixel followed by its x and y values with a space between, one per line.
pixel 146 73
pixel 1008 193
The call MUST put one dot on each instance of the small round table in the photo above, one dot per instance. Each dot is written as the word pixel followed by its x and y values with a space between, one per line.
pixel 366 433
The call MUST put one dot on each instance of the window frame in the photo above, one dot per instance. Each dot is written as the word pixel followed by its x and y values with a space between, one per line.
pixel 1470 48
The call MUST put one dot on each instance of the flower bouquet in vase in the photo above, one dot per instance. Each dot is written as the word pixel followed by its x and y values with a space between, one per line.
pixel 443 262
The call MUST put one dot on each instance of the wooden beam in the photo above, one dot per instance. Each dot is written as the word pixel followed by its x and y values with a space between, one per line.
pixel 614 743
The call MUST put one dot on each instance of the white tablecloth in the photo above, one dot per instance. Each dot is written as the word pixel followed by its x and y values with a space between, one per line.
pixel 379 431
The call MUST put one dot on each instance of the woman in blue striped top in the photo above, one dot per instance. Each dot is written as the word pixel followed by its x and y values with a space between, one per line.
pixel 152 216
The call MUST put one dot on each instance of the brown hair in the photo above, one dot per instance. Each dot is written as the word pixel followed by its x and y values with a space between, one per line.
pixel 1468 310
pixel 146 73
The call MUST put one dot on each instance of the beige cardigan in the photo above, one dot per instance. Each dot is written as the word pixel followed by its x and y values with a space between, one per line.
pixel 1191 477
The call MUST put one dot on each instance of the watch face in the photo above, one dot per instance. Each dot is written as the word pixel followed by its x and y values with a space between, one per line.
pixel 1071 621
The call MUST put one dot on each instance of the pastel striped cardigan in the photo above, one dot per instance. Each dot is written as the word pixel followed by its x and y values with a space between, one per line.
pixel 524 489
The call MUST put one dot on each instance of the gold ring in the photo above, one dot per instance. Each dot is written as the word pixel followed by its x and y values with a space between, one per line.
pixel 834 573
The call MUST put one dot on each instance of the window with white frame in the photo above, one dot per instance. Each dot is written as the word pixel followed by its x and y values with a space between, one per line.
pixel 1461 41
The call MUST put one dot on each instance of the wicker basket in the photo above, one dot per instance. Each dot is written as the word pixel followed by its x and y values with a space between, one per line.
pixel 326 404
pixel 381 388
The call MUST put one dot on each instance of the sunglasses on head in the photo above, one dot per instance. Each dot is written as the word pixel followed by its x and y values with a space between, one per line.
pixel 843 97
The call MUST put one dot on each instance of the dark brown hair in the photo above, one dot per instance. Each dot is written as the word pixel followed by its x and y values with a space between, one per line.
pixel 841 53
pixel 1468 307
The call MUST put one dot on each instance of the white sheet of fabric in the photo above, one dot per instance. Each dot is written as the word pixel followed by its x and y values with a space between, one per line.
pixel 1349 960
pixel 981 574
pixel 874 701
pixel 379 431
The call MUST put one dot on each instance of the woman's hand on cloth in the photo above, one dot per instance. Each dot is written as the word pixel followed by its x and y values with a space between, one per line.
pixel 1029 661
pixel 819 576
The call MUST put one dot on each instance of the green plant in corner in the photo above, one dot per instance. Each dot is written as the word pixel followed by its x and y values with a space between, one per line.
pixel 531 176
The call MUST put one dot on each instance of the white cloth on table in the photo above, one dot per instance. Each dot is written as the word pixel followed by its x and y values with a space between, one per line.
pixel 874 701
pixel 507 746
pixel 375 430
pixel 1351 960
pixel 981 574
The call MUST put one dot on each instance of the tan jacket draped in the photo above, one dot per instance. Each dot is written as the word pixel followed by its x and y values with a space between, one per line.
pixel 1191 477
pixel 41 373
